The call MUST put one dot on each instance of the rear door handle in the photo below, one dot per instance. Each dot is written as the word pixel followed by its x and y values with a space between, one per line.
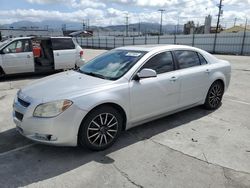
pixel 57 54
pixel 207 71
pixel 28 56
pixel 173 78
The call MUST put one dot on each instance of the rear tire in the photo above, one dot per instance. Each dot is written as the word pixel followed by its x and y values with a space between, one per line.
pixel 100 129
pixel 214 96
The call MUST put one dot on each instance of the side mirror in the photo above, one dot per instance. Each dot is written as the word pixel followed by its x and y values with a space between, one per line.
pixel 146 73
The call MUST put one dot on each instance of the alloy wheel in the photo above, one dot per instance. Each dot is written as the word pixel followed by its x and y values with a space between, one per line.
pixel 215 95
pixel 102 129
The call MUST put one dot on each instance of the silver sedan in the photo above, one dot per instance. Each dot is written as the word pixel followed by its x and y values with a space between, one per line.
pixel 116 91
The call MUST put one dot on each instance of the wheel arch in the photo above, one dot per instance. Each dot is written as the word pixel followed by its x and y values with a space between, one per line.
pixel 1 70
pixel 115 106
pixel 219 76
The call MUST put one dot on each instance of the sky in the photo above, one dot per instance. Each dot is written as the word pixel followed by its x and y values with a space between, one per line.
pixel 112 12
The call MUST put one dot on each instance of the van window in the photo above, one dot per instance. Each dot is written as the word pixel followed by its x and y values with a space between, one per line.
pixel 18 47
pixel 62 43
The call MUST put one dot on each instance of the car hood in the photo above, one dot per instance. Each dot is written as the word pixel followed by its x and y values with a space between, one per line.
pixel 63 85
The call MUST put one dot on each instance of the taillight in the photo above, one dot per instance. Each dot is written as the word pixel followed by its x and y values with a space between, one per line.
pixel 81 53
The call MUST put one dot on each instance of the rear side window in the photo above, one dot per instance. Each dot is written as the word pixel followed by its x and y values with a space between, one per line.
pixel 187 59
pixel 202 59
pixel 161 63
pixel 62 43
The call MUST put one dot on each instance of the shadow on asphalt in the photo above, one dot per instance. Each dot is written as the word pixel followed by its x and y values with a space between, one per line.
pixel 41 162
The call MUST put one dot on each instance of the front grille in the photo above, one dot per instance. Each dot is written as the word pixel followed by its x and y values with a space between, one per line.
pixel 23 103
pixel 19 116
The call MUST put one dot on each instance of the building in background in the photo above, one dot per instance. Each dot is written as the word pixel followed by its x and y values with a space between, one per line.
pixel 207 24
pixel 190 28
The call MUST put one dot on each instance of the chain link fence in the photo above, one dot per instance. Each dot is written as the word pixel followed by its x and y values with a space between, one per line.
pixel 223 43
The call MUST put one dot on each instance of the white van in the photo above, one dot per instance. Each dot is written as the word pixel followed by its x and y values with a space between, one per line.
pixel 34 54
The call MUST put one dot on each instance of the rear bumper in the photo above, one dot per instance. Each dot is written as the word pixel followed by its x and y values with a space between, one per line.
pixel 80 62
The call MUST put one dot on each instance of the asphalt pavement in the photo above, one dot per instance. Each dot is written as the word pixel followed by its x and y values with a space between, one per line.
pixel 193 148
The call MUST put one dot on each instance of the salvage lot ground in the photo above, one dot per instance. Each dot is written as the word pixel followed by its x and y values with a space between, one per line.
pixel 194 148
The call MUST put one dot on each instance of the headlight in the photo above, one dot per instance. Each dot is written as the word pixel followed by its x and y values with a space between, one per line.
pixel 52 109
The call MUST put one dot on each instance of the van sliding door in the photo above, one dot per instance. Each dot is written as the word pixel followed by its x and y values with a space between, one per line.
pixel 64 53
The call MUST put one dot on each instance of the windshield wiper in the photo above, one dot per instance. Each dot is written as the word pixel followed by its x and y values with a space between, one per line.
pixel 95 75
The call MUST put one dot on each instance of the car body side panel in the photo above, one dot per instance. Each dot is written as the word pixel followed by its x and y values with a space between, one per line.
pixel 118 95
pixel 153 96
pixel 194 84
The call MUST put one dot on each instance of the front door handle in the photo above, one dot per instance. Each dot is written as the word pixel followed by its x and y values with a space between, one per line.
pixel 28 56
pixel 57 54
pixel 173 78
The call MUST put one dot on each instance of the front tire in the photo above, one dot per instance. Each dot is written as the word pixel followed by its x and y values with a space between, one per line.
pixel 101 128
pixel 214 96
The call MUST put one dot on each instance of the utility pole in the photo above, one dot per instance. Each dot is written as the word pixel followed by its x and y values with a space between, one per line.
pixel 83 25
pixel 126 17
pixel 244 36
pixel 161 10
pixel 139 27
pixel 177 28
pixel 218 23
pixel 219 14
pixel 88 24
pixel 235 19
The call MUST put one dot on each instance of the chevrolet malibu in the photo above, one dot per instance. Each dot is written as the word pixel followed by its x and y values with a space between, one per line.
pixel 116 91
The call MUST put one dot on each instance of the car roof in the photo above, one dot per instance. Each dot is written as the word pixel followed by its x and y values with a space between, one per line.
pixel 156 47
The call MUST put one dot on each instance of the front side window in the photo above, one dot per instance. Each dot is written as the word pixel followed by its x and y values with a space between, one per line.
pixel 161 63
pixel 18 47
pixel 113 64
pixel 187 59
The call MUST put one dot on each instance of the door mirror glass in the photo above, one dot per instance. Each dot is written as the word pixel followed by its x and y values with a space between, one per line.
pixel 146 73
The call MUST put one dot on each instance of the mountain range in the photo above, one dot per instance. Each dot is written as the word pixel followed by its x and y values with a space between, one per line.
pixel 57 25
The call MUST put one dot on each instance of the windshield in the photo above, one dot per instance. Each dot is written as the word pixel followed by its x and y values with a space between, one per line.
pixel 112 65
pixel 2 43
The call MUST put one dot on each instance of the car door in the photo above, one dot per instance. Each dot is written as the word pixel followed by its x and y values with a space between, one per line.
pixel 17 57
pixel 194 76
pixel 64 53
pixel 154 96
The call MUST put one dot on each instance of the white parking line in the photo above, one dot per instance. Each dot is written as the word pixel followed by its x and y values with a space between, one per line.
pixel 242 102
pixel 16 149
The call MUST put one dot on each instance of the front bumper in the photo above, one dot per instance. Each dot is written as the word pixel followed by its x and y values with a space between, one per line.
pixel 61 130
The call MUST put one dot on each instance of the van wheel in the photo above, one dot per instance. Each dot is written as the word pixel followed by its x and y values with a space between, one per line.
pixel 2 74
pixel 214 96
pixel 100 129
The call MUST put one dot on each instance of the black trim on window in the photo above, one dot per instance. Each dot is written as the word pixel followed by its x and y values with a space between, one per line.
pixel 201 56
